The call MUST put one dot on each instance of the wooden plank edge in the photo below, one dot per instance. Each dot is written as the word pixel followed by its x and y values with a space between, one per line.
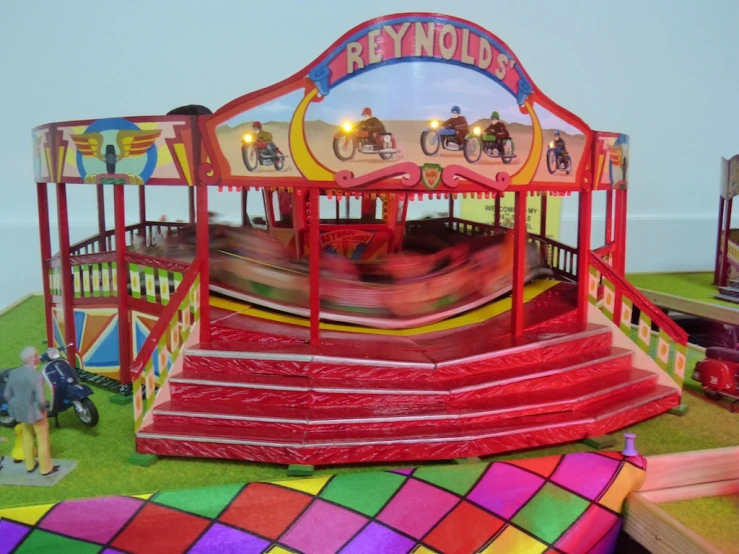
pixel 659 532
pixel 707 310
pixel 691 468
pixel 688 492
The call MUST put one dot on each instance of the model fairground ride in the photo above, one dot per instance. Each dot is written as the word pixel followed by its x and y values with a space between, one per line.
pixel 727 241
pixel 336 328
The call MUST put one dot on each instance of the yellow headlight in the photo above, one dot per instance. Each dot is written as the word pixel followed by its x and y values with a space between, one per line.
pixel 247 138
pixel 477 130
pixel 551 145
pixel 347 127
pixel 434 124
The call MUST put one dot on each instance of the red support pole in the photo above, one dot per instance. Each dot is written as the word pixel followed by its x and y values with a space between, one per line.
pixel 102 246
pixel 723 276
pixel 584 220
pixel 543 213
pixel 719 234
pixel 609 216
pixel 191 205
pixel 519 263
pixel 70 334
pixel 315 268
pixel 45 238
pixel 142 204
pixel 619 252
pixel 498 200
pixel 203 254
pixel 124 323
pixel 451 210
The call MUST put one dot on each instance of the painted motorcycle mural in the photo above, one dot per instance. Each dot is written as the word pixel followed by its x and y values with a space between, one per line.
pixel 258 149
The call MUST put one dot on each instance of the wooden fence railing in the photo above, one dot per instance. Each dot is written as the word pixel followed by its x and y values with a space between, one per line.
pixel 618 301
pixel 163 346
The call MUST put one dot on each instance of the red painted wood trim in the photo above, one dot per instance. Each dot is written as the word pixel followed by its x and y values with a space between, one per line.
pixel 156 263
pixel 149 308
pixel 124 323
pixel 609 216
pixel 519 263
pixel 45 238
pixel 585 212
pixel 314 265
pixel 102 247
pixel 165 317
pixel 70 335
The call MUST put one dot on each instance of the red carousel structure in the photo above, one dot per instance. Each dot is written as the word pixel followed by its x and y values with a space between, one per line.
pixel 335 328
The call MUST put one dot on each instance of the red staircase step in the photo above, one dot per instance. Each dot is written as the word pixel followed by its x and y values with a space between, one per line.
pixel 289 446
pixel 441 412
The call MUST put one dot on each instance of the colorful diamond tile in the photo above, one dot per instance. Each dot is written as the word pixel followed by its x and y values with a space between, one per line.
pixel 514 540
pixel 104 517
pixel 111 551
pixel 377 538
pixel 541 466
pixel 592 526
pixel 585 473
pixel 629 479
pixel 420 549
pixel 416 508
pixel 207 501
pixel 608 543
pixel 323 529
pixel 504 489
pixel 10 535
pixel 30 515
pixel 364 492
pixel 43 541
pixel 458 479
pixel 405 471
pixel 312 486
pixel 279 550
pixel 550 512
pixel 465 529
pixel 227 540
pixel 265 510
pixel 160 530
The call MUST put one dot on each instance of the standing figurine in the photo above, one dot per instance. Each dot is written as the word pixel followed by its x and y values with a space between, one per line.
pixel 27 405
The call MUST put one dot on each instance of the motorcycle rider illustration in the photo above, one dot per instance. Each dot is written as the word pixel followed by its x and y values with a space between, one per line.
pixel 458 122
pixel 260 135
pixel 372 126
pixel 560 149
pixel 499 129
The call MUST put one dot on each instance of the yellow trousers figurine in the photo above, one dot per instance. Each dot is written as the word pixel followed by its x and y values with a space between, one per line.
pixel 17 452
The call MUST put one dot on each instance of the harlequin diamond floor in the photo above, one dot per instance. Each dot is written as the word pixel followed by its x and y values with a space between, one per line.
pixel 568 503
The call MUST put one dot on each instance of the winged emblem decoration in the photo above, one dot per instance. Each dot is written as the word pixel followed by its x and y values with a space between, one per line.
pixel 130 144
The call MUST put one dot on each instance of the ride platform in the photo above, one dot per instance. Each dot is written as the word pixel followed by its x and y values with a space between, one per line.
pixel 459 388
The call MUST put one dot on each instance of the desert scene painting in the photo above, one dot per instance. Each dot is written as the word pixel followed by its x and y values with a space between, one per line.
pixel 406 98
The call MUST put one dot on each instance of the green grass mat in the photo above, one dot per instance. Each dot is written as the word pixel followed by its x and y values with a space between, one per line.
pixel 714 518
pixel 693 286
pixel 102 452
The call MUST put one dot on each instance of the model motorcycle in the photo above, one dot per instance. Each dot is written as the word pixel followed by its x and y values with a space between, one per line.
pixel 556 161
pixel 66 390
pixel 435 137
pixel 350 139
pixel 256 153
pixel 718 373
pixel 477 143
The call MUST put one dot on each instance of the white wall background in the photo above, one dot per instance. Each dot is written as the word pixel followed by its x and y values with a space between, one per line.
pixel 663 71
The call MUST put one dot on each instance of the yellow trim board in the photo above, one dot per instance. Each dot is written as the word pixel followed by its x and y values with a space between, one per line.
pixel 478 315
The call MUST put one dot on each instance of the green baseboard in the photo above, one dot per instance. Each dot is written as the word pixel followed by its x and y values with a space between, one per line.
pixel 144 460
pixel 600 442
pixel 299 470
pixel 679 411
pixel 121 400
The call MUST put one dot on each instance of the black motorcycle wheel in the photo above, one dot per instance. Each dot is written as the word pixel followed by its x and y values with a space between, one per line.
pixel 345 148
pixel 472 150
pixel 551 161
pixel 386 155
pixel 7 421
pixel 279 162
pixel 568 165
pixel 247 153
pixel 430 147
pixel 86 412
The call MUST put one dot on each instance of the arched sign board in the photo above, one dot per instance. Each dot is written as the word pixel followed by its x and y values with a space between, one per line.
pixel 377 108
